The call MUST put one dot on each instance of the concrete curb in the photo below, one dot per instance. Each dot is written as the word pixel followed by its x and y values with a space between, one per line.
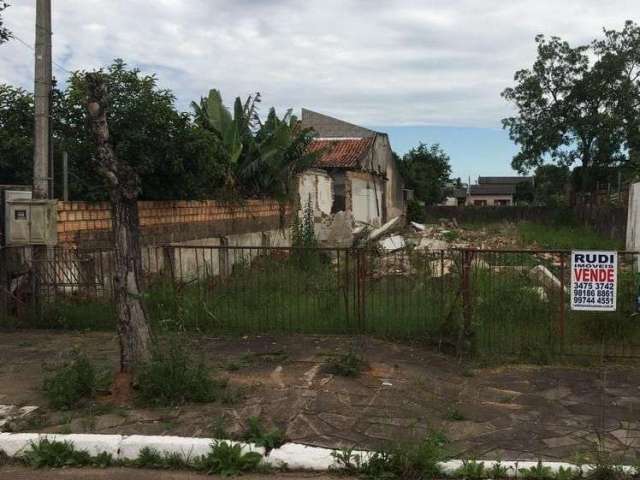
pixel 291 455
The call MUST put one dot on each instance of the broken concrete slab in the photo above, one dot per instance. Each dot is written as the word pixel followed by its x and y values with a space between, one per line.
pixel 432 244
pixel 393 243
pixel 418 226
pixel 386 228
pixel 9 413
pixel 542 274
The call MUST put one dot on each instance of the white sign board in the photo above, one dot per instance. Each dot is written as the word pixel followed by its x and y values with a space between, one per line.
pixel 594 280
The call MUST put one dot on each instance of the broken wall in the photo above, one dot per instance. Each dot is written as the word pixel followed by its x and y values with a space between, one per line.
pixel 315 188
pixel 366 199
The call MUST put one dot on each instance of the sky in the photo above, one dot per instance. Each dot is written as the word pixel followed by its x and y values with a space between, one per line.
pixel 429 70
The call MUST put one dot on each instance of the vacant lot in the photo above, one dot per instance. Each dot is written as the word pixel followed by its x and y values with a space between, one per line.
pixel 515 412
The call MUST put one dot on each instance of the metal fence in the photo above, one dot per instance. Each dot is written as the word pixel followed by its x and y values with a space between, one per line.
pixel 484 301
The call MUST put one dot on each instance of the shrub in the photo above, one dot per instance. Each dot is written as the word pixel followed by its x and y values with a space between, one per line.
pixel 228 459
pixel 539 472
pixel 258 435
pixel 47 453
pixel 414 461
pixel 348 365
pixel 70 384
pixel 174 377
pixel 416 211
pixel 471 470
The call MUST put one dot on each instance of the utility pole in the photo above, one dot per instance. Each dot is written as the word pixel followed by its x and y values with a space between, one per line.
pixel 42 185
pixel 42 93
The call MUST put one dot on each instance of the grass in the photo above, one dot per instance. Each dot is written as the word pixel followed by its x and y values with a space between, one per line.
pixel 559 237
pixel 348 365
pixel 418 298
pixel 71 384
pixel 223 458
pixel 174 376
pixel 257 435
pixel 410 461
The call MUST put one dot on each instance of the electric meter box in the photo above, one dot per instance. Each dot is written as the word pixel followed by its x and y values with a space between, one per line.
pixel 28 221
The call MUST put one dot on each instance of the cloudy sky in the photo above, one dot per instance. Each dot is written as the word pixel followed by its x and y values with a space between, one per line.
pixel 421 70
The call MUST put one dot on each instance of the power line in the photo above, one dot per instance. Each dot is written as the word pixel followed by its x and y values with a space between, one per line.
pixel 30 47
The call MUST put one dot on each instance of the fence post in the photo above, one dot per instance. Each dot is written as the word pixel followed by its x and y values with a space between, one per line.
pixel 467 312
pixel 360 288
pixel 562 313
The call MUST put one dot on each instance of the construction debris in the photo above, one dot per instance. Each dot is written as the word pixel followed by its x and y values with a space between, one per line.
pixel 418 226
pixel 393 243
pixel 9 413
pixel 384 229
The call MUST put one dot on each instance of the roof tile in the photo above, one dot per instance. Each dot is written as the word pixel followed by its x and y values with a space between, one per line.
pixel 345 153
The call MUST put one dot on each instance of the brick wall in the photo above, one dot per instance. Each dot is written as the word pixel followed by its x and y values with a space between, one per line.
pixel 89 224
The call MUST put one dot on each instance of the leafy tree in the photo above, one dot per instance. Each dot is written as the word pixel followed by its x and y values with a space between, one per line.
pixel 550 184
pixel 259 159
pixel 619 60
pixel 579 104
pixel 16 135
pixel 5 34
pixel 426 170
pixel 561 113
pixel 172 158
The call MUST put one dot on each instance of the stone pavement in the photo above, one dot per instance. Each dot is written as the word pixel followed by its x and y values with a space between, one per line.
pixel 509 413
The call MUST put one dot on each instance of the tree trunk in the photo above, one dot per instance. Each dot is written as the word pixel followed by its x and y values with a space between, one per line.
pixel 122 181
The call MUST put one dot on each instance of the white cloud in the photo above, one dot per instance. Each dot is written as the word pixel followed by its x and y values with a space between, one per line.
pixel 406 62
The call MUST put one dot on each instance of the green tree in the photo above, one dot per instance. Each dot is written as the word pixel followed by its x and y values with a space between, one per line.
pixel 259 159
pixel 5 34
pixel 172 157
pixel 16 135
pixel 426 171
pixel 619 60
pixel 550 184
pixel 562 114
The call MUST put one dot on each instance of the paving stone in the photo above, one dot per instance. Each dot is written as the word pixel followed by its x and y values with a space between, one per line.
pixel 337 421
pixel 557 442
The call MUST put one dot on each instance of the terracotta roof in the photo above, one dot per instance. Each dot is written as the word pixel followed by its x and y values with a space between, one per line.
pixel 345 153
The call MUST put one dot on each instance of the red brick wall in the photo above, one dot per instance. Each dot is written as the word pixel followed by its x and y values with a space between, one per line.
pixel 161 222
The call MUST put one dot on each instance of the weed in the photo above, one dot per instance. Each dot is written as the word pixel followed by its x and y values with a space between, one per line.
pixel 450 235
pixel 468 372
pixel 74 382
pixel 258 435
pixel 4 458
pixel 471 470
pixel 567 474
pixel 455 415
pixel 231 396
pixel 539 472
pixel 152 458
pixel 348 365
pixel 228 459
pixel 218 429
pixel 173 377
pixel 47 453
pixel 498 471
pixel 413 461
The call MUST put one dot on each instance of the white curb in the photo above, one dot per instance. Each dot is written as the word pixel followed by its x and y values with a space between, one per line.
pixel 291 455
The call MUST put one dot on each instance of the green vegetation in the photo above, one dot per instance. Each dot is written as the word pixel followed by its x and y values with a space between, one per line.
pixel 259 436
pixel 410 461
pixel 472 470
pixel 538 472
pixel 455 415
pixel 53 454
pixel 72 383
pixel 228 459
pixel 560 237
pixel 173 377
pixel 348 365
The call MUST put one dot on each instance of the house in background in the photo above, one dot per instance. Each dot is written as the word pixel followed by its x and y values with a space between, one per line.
pixel 495 191
pixel 355 172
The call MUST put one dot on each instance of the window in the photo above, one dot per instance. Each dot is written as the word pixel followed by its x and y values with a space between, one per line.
pixel 480 203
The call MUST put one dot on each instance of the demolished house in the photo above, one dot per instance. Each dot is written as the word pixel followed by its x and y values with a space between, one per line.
pixel 355 172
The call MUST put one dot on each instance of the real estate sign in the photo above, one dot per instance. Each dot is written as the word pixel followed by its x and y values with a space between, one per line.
pixel 594 280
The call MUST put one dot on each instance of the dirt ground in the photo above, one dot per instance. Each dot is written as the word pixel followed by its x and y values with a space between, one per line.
pixel 23 473
pixel 509 413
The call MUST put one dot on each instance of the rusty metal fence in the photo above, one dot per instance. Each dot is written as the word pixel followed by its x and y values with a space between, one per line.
pixel 486 302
